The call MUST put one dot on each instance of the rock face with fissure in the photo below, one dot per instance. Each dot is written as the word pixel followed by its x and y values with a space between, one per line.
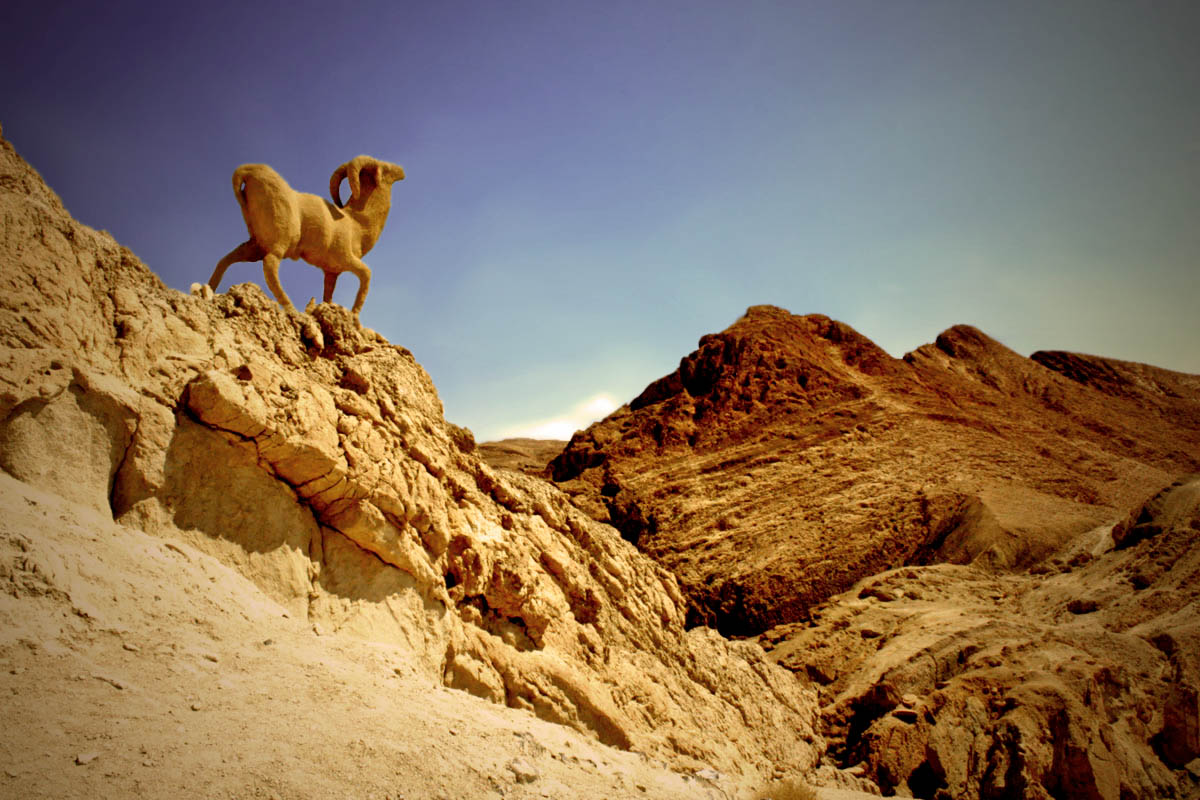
pixel 312 455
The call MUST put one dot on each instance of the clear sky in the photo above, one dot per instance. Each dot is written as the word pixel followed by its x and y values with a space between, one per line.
pixel 592 186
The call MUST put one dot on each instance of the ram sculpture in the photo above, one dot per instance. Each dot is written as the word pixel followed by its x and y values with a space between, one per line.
pixel 284 223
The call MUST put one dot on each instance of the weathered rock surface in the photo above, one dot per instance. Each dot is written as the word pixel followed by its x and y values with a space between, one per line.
pixel 312 457
pixel 789 456
pixel 1078 680
pixel 136 666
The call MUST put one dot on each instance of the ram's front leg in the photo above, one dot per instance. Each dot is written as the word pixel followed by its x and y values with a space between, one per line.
pixel 330 283
pixel 363 272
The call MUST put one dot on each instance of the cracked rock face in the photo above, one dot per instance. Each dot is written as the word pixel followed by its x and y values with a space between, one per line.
pixel 312 456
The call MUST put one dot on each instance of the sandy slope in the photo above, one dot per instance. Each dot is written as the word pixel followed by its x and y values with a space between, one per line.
pixel 171 675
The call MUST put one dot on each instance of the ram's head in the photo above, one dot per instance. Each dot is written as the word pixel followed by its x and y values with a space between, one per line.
pixel 364 174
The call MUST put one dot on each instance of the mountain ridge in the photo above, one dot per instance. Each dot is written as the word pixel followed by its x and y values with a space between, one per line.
pixel 777 388
pixel 956 547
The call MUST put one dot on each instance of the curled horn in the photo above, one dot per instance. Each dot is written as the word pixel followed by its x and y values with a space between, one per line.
pixel 352 171
pixel 335 184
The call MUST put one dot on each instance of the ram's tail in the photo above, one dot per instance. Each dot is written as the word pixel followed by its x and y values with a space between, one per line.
pixel 239 186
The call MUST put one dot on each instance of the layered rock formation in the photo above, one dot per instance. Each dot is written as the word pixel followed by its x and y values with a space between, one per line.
pixel 789 456
pixel 1078 680
pixel 312 457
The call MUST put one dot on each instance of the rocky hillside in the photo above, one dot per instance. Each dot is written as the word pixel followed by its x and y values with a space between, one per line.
pixel 1020 620
pixel 789 456
pixel 311 458
pixel 1078 679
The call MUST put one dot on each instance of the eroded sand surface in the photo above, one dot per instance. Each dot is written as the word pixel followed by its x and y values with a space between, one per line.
pixel 167 674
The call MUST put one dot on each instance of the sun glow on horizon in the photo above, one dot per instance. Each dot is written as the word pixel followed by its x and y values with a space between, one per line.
pixel 565 425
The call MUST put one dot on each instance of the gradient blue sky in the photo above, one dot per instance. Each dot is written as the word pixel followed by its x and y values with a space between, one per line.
pixel 593 186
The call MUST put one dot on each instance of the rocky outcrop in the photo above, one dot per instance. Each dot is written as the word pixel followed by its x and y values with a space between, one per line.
pixel 1168 394
pixel 312 456
pixel 1079 680
pixel 788 457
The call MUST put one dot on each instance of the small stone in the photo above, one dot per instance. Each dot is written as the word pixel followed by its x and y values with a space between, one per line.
pixel 905 714
pixel 910 700
pixel 131 647
pixel 196 706
pixel 523 771
pixel 879 593
pixel 268 641
pixel 454 731
pixel 708 774
pixel 210 657
pixel 870 633
pixel 1193 767
pixel 86 758
pixel 1082 605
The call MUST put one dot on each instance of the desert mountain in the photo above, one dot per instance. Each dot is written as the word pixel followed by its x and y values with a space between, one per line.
pixel 249 476
pixel 956 546
pixel 789 456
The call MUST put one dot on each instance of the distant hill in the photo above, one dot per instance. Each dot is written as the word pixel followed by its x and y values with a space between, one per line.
pixel 523 455
pixel 789 456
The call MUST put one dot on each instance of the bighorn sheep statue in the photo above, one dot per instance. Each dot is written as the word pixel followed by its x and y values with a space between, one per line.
pixel 284 223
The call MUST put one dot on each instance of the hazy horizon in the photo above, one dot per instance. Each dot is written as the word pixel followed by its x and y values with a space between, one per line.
pixel 592 187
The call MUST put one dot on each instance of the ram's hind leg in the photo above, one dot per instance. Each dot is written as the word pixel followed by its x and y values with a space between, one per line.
pixel 271 273
pixel 246 251
pixel 330 283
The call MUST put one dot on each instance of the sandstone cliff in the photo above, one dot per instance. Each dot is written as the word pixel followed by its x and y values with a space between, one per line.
pixel 312 457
